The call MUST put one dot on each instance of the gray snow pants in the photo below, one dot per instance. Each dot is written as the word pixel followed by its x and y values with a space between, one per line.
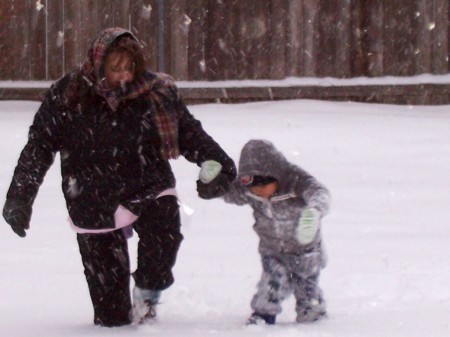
pixel 286 274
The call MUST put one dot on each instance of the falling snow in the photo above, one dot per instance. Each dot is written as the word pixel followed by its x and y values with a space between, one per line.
pixel 39 5
pixel 386 236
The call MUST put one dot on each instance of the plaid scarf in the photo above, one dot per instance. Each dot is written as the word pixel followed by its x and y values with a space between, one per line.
pixel 159 89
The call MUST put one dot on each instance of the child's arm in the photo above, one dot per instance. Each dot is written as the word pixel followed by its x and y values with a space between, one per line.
pixel 317 199
pixel 313 193
pixel 236 194
pixel 317 196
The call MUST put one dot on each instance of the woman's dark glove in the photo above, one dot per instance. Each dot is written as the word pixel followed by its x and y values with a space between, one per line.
pixel 218 187
pixel 17 214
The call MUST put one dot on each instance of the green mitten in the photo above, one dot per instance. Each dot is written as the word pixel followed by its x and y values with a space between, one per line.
pixel 209 171
pixel 308 225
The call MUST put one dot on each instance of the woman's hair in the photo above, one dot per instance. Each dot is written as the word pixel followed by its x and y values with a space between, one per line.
pixel 133 49
pixel 78 89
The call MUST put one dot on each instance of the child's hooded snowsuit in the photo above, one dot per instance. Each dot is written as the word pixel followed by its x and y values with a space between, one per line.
pixel 276 219
pixel 286 262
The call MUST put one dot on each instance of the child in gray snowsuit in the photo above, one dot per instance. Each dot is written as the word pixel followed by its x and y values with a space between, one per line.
pixel 288 205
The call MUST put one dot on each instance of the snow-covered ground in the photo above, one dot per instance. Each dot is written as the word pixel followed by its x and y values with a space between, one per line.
pixel 387 236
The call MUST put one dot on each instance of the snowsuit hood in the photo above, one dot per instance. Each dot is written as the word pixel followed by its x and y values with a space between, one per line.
pixel 261 158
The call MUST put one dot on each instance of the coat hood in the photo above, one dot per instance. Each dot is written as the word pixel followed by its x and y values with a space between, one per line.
pixel 93 66
pixel 260 157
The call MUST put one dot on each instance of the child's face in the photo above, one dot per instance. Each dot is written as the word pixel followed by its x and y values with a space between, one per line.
pixel 264 191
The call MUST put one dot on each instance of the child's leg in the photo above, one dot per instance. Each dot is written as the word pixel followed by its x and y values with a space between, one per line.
pixel 107 270
pixel 310 304
pixel 274 286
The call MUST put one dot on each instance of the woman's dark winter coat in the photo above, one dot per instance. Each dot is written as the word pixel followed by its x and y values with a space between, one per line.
pixel 107 157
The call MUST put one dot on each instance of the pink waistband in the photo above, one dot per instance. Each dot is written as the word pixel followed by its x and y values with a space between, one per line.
pixel 122 217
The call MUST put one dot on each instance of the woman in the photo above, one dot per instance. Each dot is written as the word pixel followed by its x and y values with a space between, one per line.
pixel 116 125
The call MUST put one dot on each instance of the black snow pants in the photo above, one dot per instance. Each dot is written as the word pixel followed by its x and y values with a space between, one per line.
pixel 107 265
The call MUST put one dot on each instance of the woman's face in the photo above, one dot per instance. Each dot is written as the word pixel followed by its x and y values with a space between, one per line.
pixel 119 69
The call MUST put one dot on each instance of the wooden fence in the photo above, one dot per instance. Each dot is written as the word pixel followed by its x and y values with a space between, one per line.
pixel 233 39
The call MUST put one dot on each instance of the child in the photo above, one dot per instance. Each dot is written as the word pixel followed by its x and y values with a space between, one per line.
pixel 288 205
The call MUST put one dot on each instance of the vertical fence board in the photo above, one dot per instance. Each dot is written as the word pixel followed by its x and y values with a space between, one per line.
pixel 343 39
pixel 255 28
pixel 277 39
pixel 260 28
pixel 399 52
pixel 167 36
pixel 327 40
pixel 38 68
pixel 242 42
pixel 230 33
pixel 311 14
pixel 214 21
pixel 227 38
pixel 55 39
pixel 103 14
pixel 8 24
pixel 179 28
pixel 441 37
pixel 15 42
pixel 95 16
pixel 294 39
pixel 72 35
pixel 423 41
pixel 390 56
pixel 21 17
pixel 372 14
pixel 220 55
pixel 415 27
pixel 144 21
pixel 121 13
pixel 358 36
pixel 408 31
pixel 196 39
